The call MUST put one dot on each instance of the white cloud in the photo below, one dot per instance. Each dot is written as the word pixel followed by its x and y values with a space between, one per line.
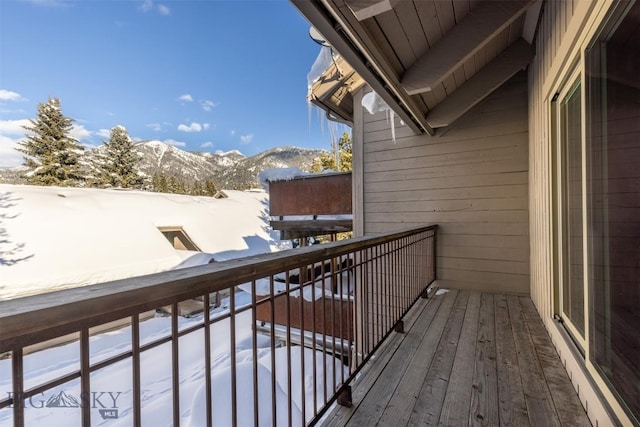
pixel 207 105
pixel 175 143
pixel 233 132
pixel 14 127
pixel 79 132
pixel 9 156
pixel 157 127
pixel 7 95
pixel 207 144
pixel 186 97
pixel 48 3
pixel 146 5
pixel 206 126
pixel 104 133
pixel 193 127
pixel 245 139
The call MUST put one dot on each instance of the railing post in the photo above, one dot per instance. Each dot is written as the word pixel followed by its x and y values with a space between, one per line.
pixel 18 387
pixel 85 378
pixel 399 327
pixel 384 274
pixel 345 397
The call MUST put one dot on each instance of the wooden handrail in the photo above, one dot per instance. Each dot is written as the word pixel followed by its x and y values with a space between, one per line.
pixel 371 282
pixel 67 311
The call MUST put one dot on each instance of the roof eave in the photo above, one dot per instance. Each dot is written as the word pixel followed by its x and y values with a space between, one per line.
pixel 330 24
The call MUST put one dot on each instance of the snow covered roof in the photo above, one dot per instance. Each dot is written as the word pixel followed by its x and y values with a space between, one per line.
pixel 279 174
pixel 331 84
pixel 53 238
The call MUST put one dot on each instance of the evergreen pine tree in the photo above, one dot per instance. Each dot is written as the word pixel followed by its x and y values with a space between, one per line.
pixel 196 189
pixel 210 188
pixel 159 183
pixel 50 151
pixel 119 163
pixel 327 161
pixel 172 184
pixel 181 188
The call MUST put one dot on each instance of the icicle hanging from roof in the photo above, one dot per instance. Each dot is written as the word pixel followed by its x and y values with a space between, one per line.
pixel 374 104
pixel 326 57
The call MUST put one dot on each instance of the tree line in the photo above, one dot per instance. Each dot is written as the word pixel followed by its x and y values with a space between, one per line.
pixel 54 157
pixel 340 159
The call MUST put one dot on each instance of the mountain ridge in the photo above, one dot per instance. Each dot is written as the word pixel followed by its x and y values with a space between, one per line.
pixel 229 170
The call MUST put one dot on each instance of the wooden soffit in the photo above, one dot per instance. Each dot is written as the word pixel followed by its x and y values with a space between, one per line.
pixel 430 60
pixel 513 59
pixel 333 90
pixel 480 25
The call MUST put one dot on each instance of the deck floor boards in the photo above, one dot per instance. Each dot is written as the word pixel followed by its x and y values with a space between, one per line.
pixel 468 358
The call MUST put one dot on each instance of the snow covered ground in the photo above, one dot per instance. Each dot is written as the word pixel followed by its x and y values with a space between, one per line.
pixel 53 238
pixel 112 387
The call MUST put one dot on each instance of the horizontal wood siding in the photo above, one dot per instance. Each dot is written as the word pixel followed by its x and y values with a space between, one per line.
pixel 471 179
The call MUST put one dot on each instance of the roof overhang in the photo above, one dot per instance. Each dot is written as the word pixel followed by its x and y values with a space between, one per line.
pixel 337 34
pixel 333 91
pixel 429 61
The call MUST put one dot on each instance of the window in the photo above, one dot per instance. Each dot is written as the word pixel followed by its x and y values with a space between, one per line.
pixel 178 238
pixel 598 227
pixel 612 64
pixel 572 292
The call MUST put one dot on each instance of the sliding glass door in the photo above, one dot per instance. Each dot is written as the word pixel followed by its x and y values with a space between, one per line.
pixel 572 278
pixel 612 65
pixel 597 114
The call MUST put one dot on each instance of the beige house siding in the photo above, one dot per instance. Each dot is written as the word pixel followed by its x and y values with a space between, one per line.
pixel 471 179
pixel 564 27
pixel 556 17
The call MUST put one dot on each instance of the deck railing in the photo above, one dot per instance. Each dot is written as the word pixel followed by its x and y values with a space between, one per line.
pixel 316 315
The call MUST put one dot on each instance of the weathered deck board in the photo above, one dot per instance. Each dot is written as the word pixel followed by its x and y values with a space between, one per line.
pixel 429 402
pixel 469 359
pixel 457 401
pixel 399 408
pixel 539 403
pixel 572 413
pixel 371 372
pixel 484 401
pixel 511 407
pixel 380 394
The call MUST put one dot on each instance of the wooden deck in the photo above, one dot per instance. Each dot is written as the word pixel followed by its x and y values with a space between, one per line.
pixel 466 358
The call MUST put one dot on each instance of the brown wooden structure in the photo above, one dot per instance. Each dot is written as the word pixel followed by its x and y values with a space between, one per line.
pixel 327 194
pixel 329 316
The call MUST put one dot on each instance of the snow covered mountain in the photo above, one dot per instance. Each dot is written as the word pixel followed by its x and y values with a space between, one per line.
pixel 228 170
pixel 244 173
pixel 158 157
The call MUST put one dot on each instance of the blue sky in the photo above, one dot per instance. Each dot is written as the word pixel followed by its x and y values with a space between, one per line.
pixel 203 75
